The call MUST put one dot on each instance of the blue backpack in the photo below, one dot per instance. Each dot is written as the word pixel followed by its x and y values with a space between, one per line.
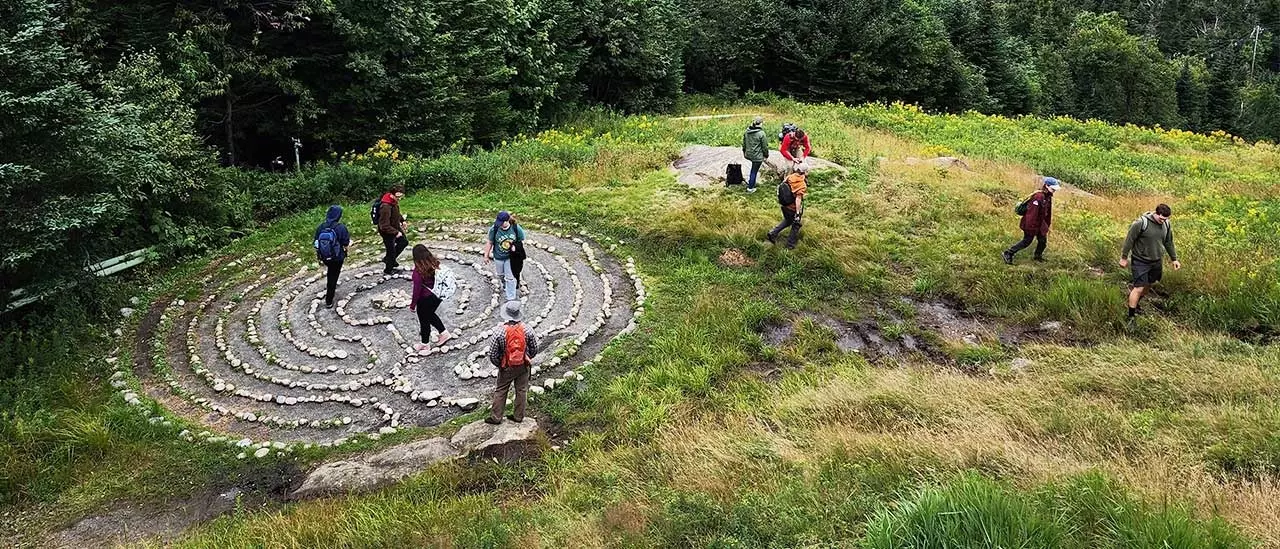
pixel 327 246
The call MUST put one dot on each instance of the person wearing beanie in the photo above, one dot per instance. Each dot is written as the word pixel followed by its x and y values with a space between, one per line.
pixel 502 237
pixel 1036 220
pixel 755 148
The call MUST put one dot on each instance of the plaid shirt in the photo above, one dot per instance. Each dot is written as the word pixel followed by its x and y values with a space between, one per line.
pixel 498 345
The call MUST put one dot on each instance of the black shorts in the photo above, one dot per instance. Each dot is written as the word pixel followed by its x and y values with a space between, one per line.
pixel 1146 274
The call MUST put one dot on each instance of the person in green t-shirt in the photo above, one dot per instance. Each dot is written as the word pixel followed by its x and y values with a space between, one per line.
pixel 502 236
pixel 1143 253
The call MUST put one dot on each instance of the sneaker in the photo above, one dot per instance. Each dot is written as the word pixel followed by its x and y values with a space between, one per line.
pixel 328 305
pixel 751 189
pixel 1038 258
pixel 444 336
pixel 512 417
pixel 1008 257
pixel 492 421
pixel 420 347
pixel 791 246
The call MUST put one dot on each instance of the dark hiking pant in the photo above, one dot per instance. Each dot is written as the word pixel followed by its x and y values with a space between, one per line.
pixel 788 220
pixel 394 245
pixel 331 285
pixel 507 376
pixel 427 317
pixel 1027 237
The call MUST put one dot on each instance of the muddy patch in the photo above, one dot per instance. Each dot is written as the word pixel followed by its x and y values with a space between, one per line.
pixel 934 326
pixel 865 338
pixel 734 257
pixel 131 523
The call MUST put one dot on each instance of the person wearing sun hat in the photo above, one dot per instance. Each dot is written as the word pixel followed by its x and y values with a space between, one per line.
pixel 503 235
pixel 1035 222
pixel 512 351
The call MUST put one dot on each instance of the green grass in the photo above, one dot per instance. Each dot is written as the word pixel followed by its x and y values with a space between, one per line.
pixel 1111 438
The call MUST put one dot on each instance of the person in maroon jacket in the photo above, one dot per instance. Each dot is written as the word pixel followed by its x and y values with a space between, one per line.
pixel 1035 223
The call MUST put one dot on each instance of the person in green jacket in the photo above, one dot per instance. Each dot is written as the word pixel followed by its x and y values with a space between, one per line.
pixel 755 148
pixel 1149 237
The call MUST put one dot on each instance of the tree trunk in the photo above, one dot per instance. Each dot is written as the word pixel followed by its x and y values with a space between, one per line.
pixel 231 134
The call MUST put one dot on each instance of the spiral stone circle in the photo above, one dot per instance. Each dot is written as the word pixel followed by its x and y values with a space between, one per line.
pixel 252 353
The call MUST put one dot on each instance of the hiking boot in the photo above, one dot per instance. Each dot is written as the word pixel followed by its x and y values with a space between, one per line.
pixel 773 239
pixel 791 246
pixel 1008 257
pixel 492 421
pixel 512 417
pixel 1039 258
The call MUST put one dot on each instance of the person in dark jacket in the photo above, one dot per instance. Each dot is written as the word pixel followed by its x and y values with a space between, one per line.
pixel 341 241
pixel 755 148
pixel 391 227
pixel 1143 252
pixel 1035 223
pixel 509 374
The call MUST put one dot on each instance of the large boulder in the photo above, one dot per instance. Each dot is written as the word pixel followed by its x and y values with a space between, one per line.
pixel 507 441
pixel 702 166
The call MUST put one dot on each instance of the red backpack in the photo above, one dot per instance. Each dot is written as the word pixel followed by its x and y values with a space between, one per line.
pixel 516 347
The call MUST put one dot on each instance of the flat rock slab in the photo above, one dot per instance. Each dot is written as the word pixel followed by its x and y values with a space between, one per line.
pixel 701 166
pixel 393 464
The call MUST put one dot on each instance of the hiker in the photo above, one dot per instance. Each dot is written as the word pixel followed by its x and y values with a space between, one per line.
pixel 795 145
pixel 755 148
pixel 503 235
pixel 391 225
pixel 791 198
pixel 517 253
pixel 1037 215
pixel 512 350
pixel 1149 237
pixel 425 301
pixel 331 242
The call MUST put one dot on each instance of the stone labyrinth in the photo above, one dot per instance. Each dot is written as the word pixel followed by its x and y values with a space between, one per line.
pixel 253 354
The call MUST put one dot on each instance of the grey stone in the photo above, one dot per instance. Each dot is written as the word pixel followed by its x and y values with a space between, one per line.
pixel 1021 364
pixel 378 470
pixel 479 436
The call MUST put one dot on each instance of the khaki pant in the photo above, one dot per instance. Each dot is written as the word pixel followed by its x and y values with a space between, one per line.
pixel 505 377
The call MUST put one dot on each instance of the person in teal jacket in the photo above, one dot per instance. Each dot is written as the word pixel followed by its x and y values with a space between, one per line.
pixel 755 148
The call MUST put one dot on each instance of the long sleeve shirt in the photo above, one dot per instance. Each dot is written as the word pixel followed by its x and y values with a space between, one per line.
pixel 498 345
pixel 1149 244
pixel 789 142
pixel 422 285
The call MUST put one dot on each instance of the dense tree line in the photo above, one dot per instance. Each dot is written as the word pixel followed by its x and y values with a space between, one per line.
pixel 114 115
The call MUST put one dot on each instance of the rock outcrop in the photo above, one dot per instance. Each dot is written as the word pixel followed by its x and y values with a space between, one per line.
pixel 375 471
pixel 702 166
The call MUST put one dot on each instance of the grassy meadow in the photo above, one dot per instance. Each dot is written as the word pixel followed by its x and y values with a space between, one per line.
pixel 693 431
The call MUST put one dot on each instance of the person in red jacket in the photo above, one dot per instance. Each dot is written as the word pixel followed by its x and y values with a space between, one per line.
pixel 1035 223
pixel 795 146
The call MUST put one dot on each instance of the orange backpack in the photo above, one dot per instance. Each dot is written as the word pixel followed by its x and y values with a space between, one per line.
pixel 514 357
